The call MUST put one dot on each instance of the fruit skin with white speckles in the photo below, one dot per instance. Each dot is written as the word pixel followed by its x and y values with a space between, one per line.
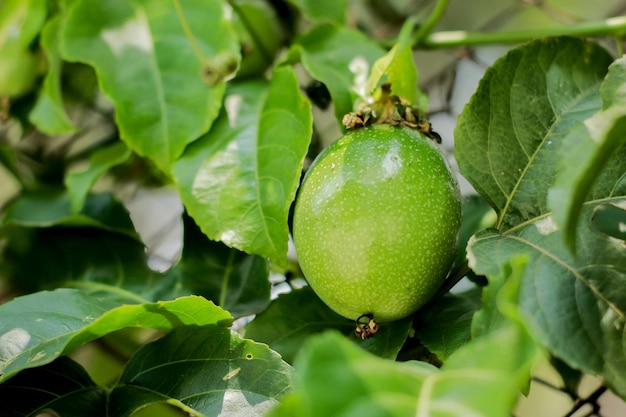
pixel 376 222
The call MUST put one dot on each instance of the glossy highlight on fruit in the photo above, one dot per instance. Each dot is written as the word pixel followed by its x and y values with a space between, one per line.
pixel 376 222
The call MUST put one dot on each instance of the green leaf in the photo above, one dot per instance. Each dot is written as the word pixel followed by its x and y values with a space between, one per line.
pixel 46 209
pixel 239 180
pixel 20 23
pixel 398 69
pixel 294 317
pixel 340 58
pixel 49 113
pixel 234 280
pixel 510 133
pixel 206 371
pixel 162 63
pixel 62 386
pixel 576 306
pixel 323 11
pixel 36 329
pixel 445 325
pixel 610 219
pixel 79 183
pixel 591 145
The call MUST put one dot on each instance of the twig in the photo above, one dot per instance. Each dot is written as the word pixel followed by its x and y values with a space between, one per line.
pixel 592 400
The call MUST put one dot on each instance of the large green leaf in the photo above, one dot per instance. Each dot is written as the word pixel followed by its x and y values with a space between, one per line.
pixel 36 329
pixel 541 103
pixel 205 371
pixel 49 113
pixel 340 58
pixel 62 386
pixel 79 182
pixel 232 279
pixel 576 305
pixel 238 181
pixel 336 378
pixel 511 131
pixel 162 63
pixel 592 144
pixel 294 317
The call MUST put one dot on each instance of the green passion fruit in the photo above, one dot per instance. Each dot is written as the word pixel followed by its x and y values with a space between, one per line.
pixel 376 222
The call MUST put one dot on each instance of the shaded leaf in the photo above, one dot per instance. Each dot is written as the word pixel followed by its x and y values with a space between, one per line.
pixel 46 209
pixel 445 325
pixel 323 11
pixel 163 67
pixel 219 374
pixel 234 280
pixel 62 386
pixel 340 58
pixel 260 33
pixel 477 216
pixel 238 181
pixel 36 329
pixel 79 183
pixel 576 306
pixel 49 113
pixel 81 257
pixel 510 133
pixel 610 219
pixel 294 317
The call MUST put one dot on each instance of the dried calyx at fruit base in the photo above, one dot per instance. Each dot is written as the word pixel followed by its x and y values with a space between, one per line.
pixel 392 110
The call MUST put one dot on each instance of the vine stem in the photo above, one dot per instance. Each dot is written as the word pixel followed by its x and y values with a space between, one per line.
pixel 451 39
pixel 432 20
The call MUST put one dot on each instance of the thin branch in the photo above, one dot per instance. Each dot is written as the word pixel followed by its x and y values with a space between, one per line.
pixel 592 400
pixel 453 39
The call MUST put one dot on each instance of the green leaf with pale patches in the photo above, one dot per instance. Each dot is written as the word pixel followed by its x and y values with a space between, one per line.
pixel 510 134
pixel 161 63
pixel 238 181
pixel 36 329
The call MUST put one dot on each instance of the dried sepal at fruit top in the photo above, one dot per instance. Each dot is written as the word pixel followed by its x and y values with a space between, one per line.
pixel 366 326
pixel 391 110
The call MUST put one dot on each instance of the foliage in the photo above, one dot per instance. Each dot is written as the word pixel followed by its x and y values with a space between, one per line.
pixel 206 99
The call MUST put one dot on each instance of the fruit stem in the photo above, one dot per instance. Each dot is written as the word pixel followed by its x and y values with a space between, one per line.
pixel 366 329
pixel 451 281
